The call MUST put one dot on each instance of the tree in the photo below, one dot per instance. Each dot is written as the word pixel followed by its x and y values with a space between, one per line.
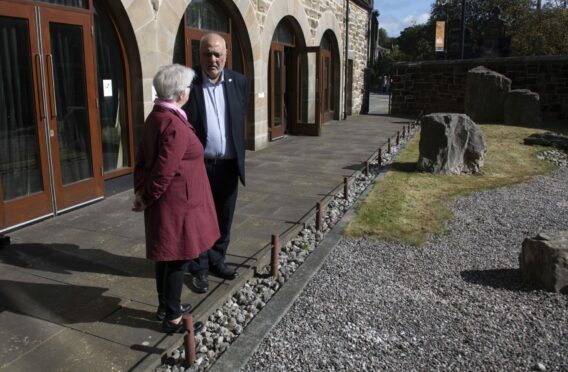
pixel 384 39
pixel 541 33
pixel 416 43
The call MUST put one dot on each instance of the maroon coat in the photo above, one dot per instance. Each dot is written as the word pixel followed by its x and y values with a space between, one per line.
pixel 180 220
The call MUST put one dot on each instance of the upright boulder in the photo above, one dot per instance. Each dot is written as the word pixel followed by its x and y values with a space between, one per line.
pixel 450 144
pixel 522 107
pixel 485 95
pixel 544 260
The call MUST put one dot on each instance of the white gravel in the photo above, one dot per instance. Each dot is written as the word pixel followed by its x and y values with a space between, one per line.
pixel 457 303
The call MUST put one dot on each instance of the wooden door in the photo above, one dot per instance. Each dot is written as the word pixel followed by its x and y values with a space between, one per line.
pixel 72 117
pixel 327 86
pixel 349 88
pixel 25 188
pixel 50 156
pixel 277 88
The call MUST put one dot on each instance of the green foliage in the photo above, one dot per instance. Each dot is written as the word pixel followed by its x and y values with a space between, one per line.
pixel 416 43
pixel 541 33
pixel 384 39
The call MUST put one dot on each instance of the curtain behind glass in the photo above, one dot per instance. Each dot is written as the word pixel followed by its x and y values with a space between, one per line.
pixel 20 168
pixel 203 15
pixel 74 3
pixel 112 105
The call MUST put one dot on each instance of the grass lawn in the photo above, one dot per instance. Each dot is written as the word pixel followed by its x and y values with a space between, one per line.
pixel 410 207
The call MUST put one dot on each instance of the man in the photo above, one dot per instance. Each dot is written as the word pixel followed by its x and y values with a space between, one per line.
pixel 216 108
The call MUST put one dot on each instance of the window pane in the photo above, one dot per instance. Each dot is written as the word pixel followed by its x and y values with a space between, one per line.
pixel 112 98
pixel 237 56
pixel 325 43
pixel 74 3
pixel 277 88
pixel 195 53
pixel 203 15
pixel 71 102
pixel 20 167
pixel 326 84
pixel 307 95
pixel 283 34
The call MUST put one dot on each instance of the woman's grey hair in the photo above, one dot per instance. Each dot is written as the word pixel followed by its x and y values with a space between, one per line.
pixel 171 80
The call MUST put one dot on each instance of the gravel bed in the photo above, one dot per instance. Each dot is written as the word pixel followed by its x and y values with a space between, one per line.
pixel 457 303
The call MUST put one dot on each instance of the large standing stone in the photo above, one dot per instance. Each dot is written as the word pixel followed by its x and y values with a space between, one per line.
pixel 450 144
pixel 522 107
pixel 485 95
pixel 544 260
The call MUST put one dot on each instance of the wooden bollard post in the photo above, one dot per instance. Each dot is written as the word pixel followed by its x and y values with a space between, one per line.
pixel 404 131
pixel 319 216
pixel 345 187
pixel 189 341
pixel 275 256
pixel 380 158
pixel 367 170
pixel 398 138
pixel 389 146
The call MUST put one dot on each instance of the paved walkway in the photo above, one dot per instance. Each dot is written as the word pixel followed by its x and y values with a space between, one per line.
pixel 77 294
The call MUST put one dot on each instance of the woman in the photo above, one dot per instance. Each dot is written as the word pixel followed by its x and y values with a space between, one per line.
pixel 172 189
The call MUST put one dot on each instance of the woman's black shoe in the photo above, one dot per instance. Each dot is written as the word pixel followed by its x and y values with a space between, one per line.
pixel 161 313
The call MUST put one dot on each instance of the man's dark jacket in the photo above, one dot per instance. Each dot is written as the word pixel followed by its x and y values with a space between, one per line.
pixel 236 103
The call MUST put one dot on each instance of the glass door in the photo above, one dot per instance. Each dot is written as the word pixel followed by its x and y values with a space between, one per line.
pixel 328 77
pixel 48 122
pixel 72 117
pixel 25 188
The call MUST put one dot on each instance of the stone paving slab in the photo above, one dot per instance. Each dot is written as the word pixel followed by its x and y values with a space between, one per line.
pixel 82 294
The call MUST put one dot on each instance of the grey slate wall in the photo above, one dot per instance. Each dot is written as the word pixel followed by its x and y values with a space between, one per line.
pixel 439 86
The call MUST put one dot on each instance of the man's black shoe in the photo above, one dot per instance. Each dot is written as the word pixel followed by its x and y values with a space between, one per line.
pixel 200 283
pixel 161 313
pixel 223 271
pixel 169 327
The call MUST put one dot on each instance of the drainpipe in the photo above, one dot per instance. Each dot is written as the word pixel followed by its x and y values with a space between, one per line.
pixel 346 58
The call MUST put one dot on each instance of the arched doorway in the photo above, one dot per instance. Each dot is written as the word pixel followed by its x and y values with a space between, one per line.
pixel 62 131
pixel 330 77
pixel 293 83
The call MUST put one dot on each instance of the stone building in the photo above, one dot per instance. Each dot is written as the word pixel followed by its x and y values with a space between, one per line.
pixel 76 83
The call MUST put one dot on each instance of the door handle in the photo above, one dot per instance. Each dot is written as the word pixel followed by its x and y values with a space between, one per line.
pixel 51 86
pixel 39 95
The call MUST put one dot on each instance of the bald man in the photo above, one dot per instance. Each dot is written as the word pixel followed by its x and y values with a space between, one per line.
pixel 216 108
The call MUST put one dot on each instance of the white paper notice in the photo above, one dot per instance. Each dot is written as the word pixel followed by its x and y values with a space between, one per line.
pixel 107 88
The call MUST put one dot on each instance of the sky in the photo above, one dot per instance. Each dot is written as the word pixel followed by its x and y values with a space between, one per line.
pixel 396 15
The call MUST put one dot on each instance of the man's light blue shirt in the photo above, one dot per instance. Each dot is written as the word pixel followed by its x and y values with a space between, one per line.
pixel 219 137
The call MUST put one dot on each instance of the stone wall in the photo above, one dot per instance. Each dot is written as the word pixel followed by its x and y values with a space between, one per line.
pixel 314 10
pixel 358 44
pixel 439 86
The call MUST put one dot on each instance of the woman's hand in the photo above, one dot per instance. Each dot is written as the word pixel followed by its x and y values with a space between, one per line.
pixel 138 205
